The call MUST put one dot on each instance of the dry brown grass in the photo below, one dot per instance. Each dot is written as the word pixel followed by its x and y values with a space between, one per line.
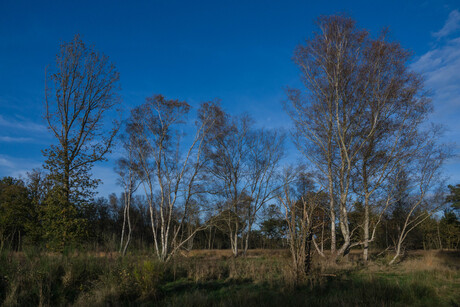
pixel 227 253
pixel 433 260
pixel 257 266
pixel 211 277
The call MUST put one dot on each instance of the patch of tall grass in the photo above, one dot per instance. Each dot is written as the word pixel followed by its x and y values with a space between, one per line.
pixel 35 277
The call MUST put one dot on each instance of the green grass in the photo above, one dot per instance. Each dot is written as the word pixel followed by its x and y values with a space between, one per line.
pixel 350 289
pixel 82 279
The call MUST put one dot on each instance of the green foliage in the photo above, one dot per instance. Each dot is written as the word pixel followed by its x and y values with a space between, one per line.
pixel 79 182
pixel 61 223
pixel 16 211
pixel 147 276
pixel 274 226
pixel 454 196
pixel 449 227
pixel 273 229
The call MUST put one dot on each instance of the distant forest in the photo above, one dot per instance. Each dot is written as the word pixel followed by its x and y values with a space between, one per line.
pixel 370 177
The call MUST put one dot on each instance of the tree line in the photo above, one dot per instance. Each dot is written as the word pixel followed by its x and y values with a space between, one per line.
pixel 370 174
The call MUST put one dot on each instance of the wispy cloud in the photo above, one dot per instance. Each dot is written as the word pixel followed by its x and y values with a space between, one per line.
pixel 441 67
pixel 4 162
pixel 16 167
pixel 452 24
pixel 9 139
pixel 21 124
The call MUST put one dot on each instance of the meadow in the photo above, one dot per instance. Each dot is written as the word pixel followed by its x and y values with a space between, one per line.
pixel 215 278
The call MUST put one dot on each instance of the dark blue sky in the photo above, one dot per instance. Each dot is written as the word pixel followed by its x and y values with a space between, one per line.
pixel 238 51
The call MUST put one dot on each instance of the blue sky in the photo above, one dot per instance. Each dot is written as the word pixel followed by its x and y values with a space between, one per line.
pixel 238 51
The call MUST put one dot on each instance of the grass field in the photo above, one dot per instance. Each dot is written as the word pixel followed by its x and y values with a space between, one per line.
pixel 214 278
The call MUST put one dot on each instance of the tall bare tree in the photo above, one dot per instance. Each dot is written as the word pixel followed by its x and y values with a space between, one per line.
pixel 129 178
pixel 266 149
pixel 227 153
pixel 357 120
pixel 171 172
pixel 398 105
pixel 81 88
pixel 424 187
pixel 243 164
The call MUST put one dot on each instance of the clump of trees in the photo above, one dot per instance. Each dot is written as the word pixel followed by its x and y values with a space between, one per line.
pixel 359 122
pixel 204 178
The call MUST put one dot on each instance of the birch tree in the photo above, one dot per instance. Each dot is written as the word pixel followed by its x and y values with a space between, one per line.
pixel 227 154
pixel 243 163
pixel 129 178
pixel 170 170
pixel 326 116
pixel 425 196
pixel 357 119
pixel 265 153
pixel 396 106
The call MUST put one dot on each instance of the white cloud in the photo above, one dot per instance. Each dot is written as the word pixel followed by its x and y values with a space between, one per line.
pixel 9 139
pixel 6 163
pixel 440 67
pixel 16 167
pixel 22 124
pixel 452 24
